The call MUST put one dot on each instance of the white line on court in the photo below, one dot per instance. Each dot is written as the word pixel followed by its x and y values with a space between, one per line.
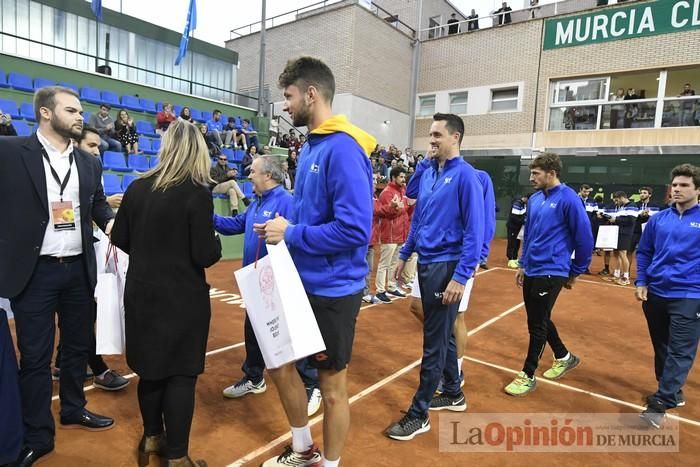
pixel 582 391
pixel 587 281
pixel 365 392
pixel 212 352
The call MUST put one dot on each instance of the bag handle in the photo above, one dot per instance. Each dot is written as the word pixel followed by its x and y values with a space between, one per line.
pixel 112 250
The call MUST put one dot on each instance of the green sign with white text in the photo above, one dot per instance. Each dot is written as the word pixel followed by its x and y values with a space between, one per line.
pixel 646 19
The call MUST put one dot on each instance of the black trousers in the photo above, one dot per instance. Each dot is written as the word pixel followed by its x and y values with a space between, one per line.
pixel 10 402
pixel 539 294
pixel 513 243
pixel 62 288
pixel 95 362
pixel 169 401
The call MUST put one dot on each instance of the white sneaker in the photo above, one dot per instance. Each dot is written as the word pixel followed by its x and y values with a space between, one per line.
pixel 367 298
pixel 244 386
pixel 314 401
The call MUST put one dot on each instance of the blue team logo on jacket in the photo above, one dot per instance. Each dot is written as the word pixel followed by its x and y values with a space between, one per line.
pixel 314 168
pixel 695 224
pixel 267 213
pixel 448 180
pixel 552 205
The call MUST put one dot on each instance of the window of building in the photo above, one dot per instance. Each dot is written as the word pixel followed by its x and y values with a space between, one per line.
pixel 458 103
pixel 585 89
pixel 434 29
pixel 426 106
pixel 505 99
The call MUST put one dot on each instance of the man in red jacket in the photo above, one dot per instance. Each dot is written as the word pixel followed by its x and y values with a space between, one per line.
pixel 379 212
pixel 393 230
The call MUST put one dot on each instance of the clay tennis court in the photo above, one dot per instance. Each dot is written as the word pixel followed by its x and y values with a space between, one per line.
pixel 601 323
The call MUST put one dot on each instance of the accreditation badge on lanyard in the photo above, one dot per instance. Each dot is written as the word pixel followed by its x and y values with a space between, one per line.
pixel 62 212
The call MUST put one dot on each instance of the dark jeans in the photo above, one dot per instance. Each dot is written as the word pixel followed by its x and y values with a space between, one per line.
pixel 169 400
pixel 96 362
pixel 540 293
pixel 674 327
pixel 513 243
pixel 439 349
pixel 254 364
pixel 10 402
pixel 62 288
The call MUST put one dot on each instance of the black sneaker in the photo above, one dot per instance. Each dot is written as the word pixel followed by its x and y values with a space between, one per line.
pixel 484 265
pixel 246 201
pixel 456 403
pixel 111 381
pixel 383 298
pixel 408 427
pixel 396 293
pixel 604 272
pixel 654 414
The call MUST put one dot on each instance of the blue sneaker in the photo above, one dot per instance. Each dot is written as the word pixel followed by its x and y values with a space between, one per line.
pixel 461 383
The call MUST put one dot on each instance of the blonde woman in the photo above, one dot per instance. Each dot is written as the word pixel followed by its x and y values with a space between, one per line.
pixel 165 225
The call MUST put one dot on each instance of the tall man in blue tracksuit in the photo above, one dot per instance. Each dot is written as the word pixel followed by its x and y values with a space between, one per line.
pixel 327 236
pixel 668 285
pixel 267 175
pixel 447 232
pixel 556 225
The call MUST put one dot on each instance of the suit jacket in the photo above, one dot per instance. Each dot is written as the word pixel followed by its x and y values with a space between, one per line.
pixel 24 210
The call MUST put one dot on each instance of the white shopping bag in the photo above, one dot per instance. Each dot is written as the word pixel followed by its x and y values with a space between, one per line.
pixel 521 233
pixel 109 293
pixel 278 308
pixel 607 237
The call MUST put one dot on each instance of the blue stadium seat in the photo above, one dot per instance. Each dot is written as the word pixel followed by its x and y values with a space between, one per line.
pixel 247 189
pixel 26 110
pixel 113 160
pixel 127 179
pixel 111 98
pixel 159 107
pixel 155 145
pixel 154 161
pixel 238 155
pixel 196 114
pixel 69 86
pixel 148 106
pixel 132 103
pixel 138 162
pixel 145 145
pixel 86 116
pixel 251 127
pixel 112 184
pixel 177 109
pixel 91 95
pixel 43 82
pixel 145 128
pixel 22 128
pixel 228 153
pixel 10 107
pixel 20 82
pixel 206 116
pixel 3 79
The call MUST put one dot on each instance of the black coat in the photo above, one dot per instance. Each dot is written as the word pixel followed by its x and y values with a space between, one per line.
pixel 169 237
pixel 25 210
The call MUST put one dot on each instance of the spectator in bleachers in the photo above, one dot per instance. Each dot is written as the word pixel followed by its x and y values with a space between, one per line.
pixel 216 128
pixel 251 136
pixel 250 154
pixel 534 8
pixel 186 114
pixel 473 23
pixel 104 124
pixel 90 143
pixel 126 133
pixel 167 313
pixel 453 24
pixel 631 110
pixel 237 135
pixel 688 117
pixel 165 118
pixel 287 178
pixel 292 164
pixel 212 145
pixel 300 142
pixel 225 179
pixel 284 141
pixel 266 151
pixel 274 130
pixel 617 111
pixel 293 141
pixel 503 14
pixel 6 127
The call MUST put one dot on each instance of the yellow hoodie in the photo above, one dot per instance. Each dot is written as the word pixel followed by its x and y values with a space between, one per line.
pixel 340 124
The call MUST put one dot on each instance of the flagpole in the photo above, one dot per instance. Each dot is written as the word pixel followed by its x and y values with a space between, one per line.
pixel 261 73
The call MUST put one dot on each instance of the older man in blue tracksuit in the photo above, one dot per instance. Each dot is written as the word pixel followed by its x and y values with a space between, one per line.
pixel 668 285
pixel 266 174
pixel 556 225
pixel 447 232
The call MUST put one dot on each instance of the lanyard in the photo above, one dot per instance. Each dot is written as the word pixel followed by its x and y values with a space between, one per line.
pixel 60 183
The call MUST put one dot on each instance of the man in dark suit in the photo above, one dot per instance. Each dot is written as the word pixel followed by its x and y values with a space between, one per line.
pixel 51 192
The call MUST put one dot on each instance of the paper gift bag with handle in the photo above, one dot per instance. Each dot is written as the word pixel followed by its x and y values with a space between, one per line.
pixel 278 308
pixel 607 237
pixel 109 293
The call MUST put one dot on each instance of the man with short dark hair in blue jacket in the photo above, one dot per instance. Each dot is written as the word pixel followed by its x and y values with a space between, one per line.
pixel 447 232
pixel 272 199
pixel 668 285
pixel 556 225
pixel 327 237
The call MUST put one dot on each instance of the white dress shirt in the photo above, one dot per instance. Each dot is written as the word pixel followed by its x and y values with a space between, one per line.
pixel 64 242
